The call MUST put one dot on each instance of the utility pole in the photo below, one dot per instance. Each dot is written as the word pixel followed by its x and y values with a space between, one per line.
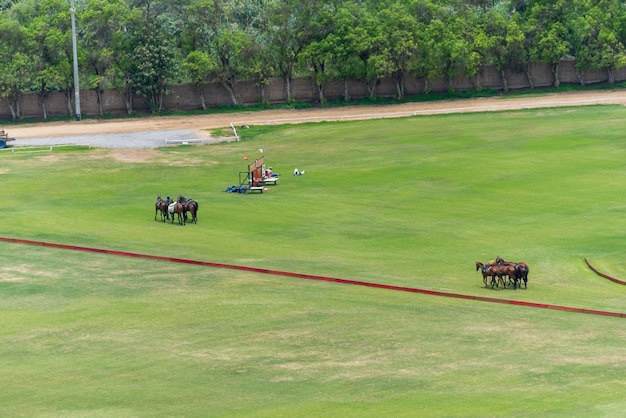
pixel 76 88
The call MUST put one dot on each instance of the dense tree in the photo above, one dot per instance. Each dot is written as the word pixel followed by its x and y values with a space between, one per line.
pixel 550 35
pixel 318 47
pixel 16 64
pixel 100 22
pixel 226 44
pixel 48 26
pixel 601 36
pixel 349 45
pixel 230 46
pixel 142 46
pixel 258 65
pixel 287 27
pixel 199 66
pixel 145 54
pixel 6 4
pixel 400 43
pixel 151 65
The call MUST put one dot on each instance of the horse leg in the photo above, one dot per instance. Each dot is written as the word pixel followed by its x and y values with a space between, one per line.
pixel 501 280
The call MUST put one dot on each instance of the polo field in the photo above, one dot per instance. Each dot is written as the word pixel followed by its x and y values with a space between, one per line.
pixel 410 202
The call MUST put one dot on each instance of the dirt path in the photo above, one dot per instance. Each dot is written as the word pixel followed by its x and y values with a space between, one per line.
pixel 205 122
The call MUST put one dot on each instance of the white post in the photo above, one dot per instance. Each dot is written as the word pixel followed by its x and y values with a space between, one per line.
pixel 235 131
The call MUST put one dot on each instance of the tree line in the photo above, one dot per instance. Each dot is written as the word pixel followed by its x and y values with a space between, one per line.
pixel 140 47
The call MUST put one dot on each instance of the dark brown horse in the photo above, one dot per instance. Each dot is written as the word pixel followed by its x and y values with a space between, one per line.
pixel 176 208
pixel 160 206
pixel 520 271
pixel 191 206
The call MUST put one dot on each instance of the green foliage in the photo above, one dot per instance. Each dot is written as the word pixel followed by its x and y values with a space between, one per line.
pixel 255 41
pixel 151 66
pixel 199 67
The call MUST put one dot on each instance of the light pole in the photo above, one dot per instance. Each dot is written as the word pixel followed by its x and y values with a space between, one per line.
pixel 76 88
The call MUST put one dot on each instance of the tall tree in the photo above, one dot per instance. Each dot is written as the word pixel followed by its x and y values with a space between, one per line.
pixel 196 38
pixel 349 44
pixel 288 37
pixel 230 46
pixel 16 64
pixel 230 37
pixel 599 41
pixel 151 66
pixel 495 25
pixel 146 54
pixel 449 48
pixel 48 24
pixel 549 36
pixel 318 51
pixel 400 42
pixel 200 66
pixel 101 21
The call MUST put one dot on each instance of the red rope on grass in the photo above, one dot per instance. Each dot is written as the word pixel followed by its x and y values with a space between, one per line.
pixel 312 277
pixel 606 276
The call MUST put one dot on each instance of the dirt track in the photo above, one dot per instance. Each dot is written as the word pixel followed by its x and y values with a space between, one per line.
pixel 207 122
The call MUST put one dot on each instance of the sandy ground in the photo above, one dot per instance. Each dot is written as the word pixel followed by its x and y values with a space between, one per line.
pixel 155 130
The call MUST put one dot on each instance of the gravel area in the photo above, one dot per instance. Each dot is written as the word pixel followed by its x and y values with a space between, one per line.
pixel 154 132
pixel 134 140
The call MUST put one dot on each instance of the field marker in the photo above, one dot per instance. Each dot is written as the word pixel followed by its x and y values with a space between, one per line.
pixel 312 277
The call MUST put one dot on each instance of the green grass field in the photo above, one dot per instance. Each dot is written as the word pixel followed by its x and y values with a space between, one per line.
pixel 408 202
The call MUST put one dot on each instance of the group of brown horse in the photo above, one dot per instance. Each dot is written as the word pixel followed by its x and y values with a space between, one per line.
pixel 170 209
pixel 499 269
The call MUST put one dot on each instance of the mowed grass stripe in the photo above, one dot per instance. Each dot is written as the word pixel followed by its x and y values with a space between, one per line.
pixel 408 202
pixel 324 278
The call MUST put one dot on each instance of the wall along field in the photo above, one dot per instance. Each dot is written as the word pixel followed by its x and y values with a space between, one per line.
pixel 409 202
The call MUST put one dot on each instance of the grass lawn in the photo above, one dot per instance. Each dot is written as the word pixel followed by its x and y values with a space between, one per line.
pixel 408 202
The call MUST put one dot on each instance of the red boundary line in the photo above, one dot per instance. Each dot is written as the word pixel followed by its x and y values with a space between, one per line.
pixel 606 276
pixel 313 277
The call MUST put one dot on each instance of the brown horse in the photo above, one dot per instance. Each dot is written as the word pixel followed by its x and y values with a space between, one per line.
pixel 191 206
pixel 489 271
pixel 506 271
pixel 160 206
pixel 178 209
pixel 520 271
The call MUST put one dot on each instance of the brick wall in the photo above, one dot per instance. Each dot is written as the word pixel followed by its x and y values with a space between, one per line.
pixel 185 96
